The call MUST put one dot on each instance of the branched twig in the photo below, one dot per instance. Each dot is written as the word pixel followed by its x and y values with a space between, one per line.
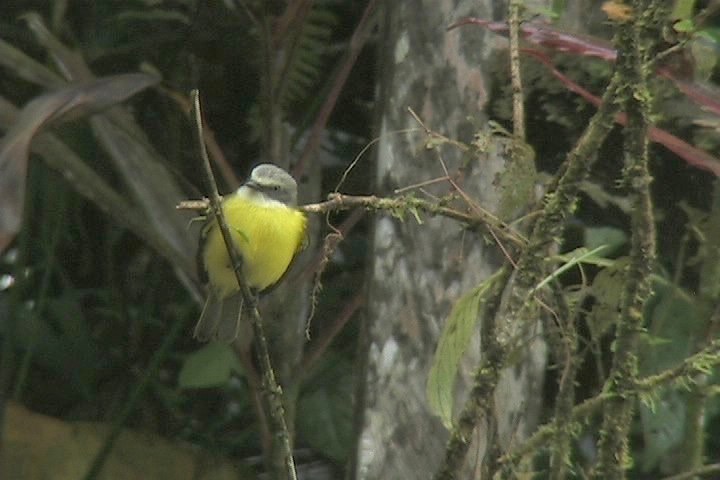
pixel 400 206
pixel 272 391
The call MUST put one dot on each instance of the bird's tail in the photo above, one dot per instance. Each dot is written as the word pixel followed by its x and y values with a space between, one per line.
pixel 221 319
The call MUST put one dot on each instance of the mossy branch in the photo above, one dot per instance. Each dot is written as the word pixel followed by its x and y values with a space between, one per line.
pixel 271 389
pixel 701 362
pixel 564 341
pixel 402 206
pixel 532 265
pixel 634 66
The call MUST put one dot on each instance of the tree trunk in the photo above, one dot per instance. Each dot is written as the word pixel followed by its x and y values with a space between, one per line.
pixel 418 271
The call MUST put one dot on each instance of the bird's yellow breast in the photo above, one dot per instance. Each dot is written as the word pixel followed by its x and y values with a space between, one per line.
pixel 267 236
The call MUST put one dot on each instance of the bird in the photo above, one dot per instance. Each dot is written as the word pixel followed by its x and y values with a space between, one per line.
pixel 268 231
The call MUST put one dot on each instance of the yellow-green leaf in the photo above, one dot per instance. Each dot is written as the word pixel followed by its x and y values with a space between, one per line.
pixel 211 366
pixel 453 342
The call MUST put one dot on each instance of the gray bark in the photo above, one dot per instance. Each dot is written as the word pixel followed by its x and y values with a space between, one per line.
pixel 418 271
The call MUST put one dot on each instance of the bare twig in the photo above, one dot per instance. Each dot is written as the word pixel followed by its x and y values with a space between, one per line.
pixel 515 78
pixel 211 143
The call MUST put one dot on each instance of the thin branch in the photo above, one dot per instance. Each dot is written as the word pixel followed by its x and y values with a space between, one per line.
pixel 701 471
pixel 699 363
pixel 294 14
pixel 402 205
pixel 272 391
pixel 564 343
pixel 316 268
pixel 692 155
pixel 515 77
pixel 318 348
pixel 216 154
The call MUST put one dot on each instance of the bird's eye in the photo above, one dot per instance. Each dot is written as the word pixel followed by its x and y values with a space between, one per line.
pixel 276 187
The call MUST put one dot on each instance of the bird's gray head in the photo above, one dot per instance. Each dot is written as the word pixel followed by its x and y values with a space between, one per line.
pixel 274 183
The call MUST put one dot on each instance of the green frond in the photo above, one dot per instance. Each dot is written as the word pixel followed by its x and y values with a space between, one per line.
pixel 307 60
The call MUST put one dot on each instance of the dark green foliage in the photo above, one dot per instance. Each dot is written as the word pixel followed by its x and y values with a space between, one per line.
pixel 90 300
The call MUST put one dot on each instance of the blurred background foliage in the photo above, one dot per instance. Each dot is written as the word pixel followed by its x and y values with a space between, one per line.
pixel 94 313
pixel 97 311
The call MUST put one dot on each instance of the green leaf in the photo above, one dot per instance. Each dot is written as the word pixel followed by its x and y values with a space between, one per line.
pixel 684 26
pixel 308 58
pixel 516 182
pixel 675 327
pixel 613 238
pixel 711 34
pixel 452 345
pixel 607 289
pixel 676 320
pixel 211 366
pixel 683 9
pixel 325 419
pixel 663 427
pixel 546 12
pixel 578 256
pixel 704 56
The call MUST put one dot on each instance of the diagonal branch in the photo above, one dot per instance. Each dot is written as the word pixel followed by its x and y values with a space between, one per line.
pixel 271 390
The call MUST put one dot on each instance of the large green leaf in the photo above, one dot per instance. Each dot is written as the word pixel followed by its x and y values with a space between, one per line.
pixel 452 345
pixel 325 419
pixel 675 327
